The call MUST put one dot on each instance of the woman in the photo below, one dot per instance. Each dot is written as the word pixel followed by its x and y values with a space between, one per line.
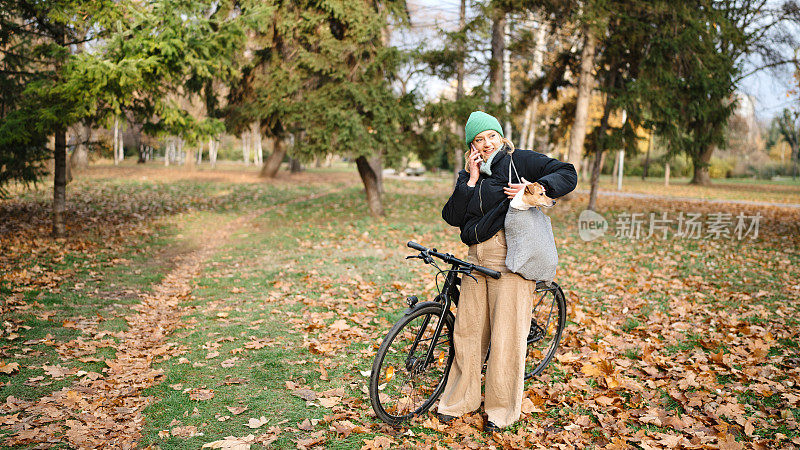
pixel 489 310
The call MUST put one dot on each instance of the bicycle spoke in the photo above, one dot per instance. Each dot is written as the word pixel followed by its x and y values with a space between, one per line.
pixel 406 381
pixel 547 322
pixel 536 306
pixel 412 363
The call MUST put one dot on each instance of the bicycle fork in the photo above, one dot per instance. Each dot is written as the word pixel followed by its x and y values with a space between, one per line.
pixel 419 365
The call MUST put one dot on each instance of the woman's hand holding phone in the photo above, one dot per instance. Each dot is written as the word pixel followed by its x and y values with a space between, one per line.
pixel 474 161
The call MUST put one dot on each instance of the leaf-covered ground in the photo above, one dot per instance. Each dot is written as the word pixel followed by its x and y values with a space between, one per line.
pixel 778 191
pixel 215 309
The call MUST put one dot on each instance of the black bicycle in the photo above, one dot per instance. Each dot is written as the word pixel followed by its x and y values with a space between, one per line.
pixel 410 369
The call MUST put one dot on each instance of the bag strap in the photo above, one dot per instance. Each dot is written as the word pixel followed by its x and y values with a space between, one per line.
pixel 510 165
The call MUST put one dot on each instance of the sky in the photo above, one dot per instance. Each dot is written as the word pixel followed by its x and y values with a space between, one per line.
pixel 769 90
pixel 768 87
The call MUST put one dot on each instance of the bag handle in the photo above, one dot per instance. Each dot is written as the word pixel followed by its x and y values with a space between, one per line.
pixel 510 165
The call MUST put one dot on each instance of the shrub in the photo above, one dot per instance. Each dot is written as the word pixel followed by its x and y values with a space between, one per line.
pixel 720 168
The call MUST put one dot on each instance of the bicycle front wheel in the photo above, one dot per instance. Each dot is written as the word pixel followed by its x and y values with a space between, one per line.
pixel 547 323
pixel 404 382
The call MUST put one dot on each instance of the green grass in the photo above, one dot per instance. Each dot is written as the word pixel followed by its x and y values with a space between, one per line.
pixel 266 301
pixel 276 251
pixel 116 290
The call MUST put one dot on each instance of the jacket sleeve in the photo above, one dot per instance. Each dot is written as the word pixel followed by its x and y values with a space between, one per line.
pixel 558 178
pixel 455 210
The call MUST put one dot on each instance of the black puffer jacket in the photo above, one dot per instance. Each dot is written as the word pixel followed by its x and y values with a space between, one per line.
pixel 480 211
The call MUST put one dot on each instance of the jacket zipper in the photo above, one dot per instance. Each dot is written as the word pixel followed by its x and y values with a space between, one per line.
pixel 480 203
pixel 480 196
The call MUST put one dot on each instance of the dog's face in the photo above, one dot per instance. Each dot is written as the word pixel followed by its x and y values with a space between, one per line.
pixel 535 196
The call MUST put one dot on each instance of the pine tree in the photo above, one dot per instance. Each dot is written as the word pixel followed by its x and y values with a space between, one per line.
pixel 39 97
pixel 164 66
pixel 141 53
pixel 22 147
pixel 716 38
pixel 789 129
pixel 322 71
pixel 688 80
pixel 454 60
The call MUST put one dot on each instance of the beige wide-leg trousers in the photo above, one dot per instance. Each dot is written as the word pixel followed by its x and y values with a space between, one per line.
pixel 496 311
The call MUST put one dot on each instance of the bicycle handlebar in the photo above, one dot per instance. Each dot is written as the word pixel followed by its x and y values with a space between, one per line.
pixel 450 259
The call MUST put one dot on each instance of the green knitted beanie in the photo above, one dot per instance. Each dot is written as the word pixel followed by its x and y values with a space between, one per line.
pixel 479 122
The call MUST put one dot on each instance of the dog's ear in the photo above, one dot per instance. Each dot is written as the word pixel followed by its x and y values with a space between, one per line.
pixel 531 188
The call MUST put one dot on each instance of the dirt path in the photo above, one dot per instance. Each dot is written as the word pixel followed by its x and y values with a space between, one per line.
pixel 105 410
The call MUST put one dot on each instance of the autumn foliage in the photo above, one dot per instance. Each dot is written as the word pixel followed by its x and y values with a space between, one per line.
pixel 257 309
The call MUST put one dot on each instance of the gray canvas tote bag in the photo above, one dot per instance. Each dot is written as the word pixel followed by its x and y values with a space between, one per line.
pixel 531 246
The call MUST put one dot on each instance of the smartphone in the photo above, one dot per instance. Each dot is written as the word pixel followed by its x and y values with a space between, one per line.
pixel 472 147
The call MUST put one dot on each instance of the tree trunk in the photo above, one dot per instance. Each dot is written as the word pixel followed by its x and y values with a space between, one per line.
pixel 585 85
pixel 529 122
pixel 647 156
pixel 534 123
pixel 189 161
pixel 595 180
pixel 79 160
pixel 259 148
pixel 534 119
pixel 121 144
pixel 181 155
pixel 169 151
pixel 458 160
pixel 142 154
pixel 496 64
pixel 615 169
pixel 212 152
pixel 458 156
pixel 508 128
pixel 602 163
pixel 701 163
pixel 116 140
pixel 666 174
pixel 370 180
pixel 584 171
pixel 526 126
pixel 255 140
pixel 59 182
pixel 295 166
pixel 376 162
pixel 273 162
pixel 246 148
pixel 598 156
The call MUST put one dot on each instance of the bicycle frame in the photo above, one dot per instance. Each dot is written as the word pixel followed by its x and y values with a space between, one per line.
pixel 448 295
pixel 418 361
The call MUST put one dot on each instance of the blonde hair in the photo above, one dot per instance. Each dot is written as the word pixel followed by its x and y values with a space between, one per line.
pixel 504 140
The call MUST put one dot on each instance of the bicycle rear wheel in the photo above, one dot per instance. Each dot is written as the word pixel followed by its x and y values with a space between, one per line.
pixel 402 384
pixel 547 323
